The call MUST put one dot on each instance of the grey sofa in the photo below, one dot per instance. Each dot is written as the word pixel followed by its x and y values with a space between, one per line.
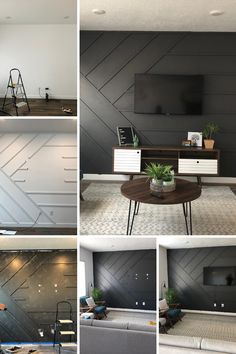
pixel 169 344
pixel 106 337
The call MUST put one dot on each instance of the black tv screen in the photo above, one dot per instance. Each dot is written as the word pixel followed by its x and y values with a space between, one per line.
pixel 219 276
pixel 168 94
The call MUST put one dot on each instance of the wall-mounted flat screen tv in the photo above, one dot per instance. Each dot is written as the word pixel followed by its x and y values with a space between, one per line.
pixel 219 276
pixel 168 94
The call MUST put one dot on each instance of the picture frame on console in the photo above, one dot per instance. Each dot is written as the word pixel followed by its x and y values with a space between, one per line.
pixel 195 138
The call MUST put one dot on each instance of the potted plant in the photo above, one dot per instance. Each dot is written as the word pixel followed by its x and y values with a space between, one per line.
pixel 135 141
pixel 97 294
pixel 171 296
pixel 208 131
pixel 162 178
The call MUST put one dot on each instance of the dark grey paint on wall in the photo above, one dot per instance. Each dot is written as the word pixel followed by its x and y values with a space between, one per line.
pixel 185 273
pixel 29 306
pixel 109 61
pixel 127 277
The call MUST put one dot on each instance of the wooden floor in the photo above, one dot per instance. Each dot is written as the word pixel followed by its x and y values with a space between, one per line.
pixel 39 107
pixel 42 231
pixel 41 349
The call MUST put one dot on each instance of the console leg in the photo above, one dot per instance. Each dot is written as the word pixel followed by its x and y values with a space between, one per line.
pixel 199 181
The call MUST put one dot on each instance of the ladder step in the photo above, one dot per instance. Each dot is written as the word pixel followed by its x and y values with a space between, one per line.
pixel 65 333
pixel 68 344
pixel 19 95
pixel 21 104
pixel 65 321
pixel 15 86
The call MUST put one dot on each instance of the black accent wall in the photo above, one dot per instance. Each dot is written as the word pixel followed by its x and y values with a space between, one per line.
pixel 109 61
pixel 27 287
pixel 185 272
pixel 127 277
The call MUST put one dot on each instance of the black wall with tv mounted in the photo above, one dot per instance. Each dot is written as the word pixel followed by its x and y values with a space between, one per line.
pixel 186 276
pixel 127 278
pixel 31 284
pixel 109 62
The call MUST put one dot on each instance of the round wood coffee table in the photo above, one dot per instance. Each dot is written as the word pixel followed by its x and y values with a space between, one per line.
pixel 138 191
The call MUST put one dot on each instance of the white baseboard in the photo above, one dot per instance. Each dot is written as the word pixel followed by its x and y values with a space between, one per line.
pixel 115 177
pixel 210 312
pixel 50 97
pixel 131 310
pixel 105 177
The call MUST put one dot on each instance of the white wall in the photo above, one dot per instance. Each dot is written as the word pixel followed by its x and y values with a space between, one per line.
pixel 87 257
pixel 163 269
pixel 38 179
pixel 46 56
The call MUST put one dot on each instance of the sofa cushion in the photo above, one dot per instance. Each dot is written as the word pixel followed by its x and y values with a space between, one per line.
pixel 180 341
pixel 87 322
pixel 83 300
pixel 87 315
pixel 163 306
pixel 218 345
pixel 141 327
pixel 165 349
pixel 110 324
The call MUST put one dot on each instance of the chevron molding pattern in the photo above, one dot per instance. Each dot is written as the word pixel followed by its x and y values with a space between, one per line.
pixel 185 274
pixel 109 61
pixel 38 180
pixel 128 279
pixel 27 287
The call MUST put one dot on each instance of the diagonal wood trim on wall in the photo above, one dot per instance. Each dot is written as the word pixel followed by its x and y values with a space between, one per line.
pixel 27 287
pixel 109 61
pixel 38 174
pixel 185 273
pixel 128 278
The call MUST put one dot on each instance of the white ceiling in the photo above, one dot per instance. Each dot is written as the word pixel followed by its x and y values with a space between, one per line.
pixel 34 243
pixel 158 15
pixel 101 244
pixel 194 242
pixel 38 11
pixel 34 125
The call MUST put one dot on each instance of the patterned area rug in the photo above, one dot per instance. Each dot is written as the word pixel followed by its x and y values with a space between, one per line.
pixel 131 317
pixel 206 326
pixel 105 211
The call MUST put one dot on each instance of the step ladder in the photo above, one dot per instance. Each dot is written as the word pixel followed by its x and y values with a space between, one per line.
pixel 17 90
pixel 64 328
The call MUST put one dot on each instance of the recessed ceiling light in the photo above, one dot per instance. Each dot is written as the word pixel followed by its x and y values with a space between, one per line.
pixel 216 12
pixel 98 11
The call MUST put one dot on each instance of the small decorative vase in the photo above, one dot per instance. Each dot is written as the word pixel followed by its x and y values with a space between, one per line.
pixel 209 143
pixel 156 187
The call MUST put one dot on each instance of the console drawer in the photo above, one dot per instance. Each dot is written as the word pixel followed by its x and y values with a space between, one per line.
pixel 198 166
pixel 127 160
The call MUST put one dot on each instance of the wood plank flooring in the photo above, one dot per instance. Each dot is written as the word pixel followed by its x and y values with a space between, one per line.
pixel 42 231
pixel 41 349
pixel 39 107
